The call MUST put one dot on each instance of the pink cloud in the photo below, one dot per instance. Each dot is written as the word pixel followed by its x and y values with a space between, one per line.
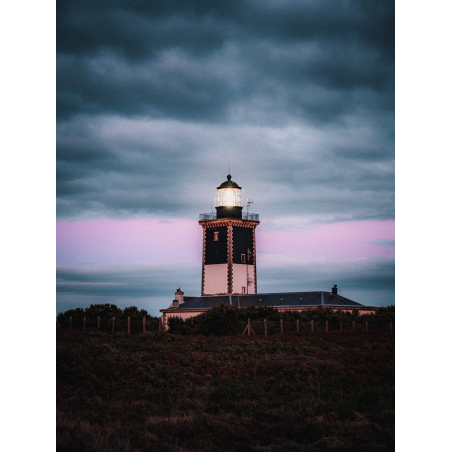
pixel 124 241
pixel 348 240
pixel 150 240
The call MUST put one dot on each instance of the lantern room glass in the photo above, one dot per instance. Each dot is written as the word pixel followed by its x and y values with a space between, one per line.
pixel 228 197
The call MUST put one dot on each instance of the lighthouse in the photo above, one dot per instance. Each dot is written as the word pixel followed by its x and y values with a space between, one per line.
pixel 229 267
pixel 229 245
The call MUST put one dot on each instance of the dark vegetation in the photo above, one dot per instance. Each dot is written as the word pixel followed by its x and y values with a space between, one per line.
pixel 106 312
pixel 173 392
pixel 224 319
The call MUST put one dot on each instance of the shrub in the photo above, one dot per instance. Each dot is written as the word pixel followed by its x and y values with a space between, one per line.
pixel 218 320
pixel 177 325
pixel 105 311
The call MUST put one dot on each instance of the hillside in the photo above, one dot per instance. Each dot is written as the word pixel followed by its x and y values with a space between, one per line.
pixel 168 392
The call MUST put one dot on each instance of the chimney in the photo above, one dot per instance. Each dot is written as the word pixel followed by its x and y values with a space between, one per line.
pixel 334 289
pixel 179 297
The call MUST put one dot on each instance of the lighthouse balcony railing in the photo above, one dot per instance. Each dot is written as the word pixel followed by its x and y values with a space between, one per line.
pixel 250 216
pixel 213 216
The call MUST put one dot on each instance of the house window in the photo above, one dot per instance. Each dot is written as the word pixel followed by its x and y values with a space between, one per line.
pixel 215 236
pixel 243 289
pixel 243 259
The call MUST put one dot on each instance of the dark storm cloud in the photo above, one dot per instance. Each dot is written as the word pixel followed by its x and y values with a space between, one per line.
pixel 172 168
pixel 368 281
pixel 123 281
pixel 126 57
pixel 138 28
pixel 154 98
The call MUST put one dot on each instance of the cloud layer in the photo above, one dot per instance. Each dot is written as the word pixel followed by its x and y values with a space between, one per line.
pixel 154 101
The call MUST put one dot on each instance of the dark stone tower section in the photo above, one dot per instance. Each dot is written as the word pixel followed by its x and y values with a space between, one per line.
pixel 216 245
pixel 243 246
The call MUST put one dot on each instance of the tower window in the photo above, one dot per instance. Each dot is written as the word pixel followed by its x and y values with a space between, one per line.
pixel 243 289
pixel 243 259
pixel 215 236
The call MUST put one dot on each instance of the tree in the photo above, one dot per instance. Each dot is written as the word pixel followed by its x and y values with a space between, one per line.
pixel 103 311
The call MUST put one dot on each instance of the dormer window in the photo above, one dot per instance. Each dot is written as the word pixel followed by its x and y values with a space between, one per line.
pixel 215 236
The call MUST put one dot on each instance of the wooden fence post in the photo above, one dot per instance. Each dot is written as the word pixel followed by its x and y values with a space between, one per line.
pixel 113 325
pixel 98 323
pixel 144 325
pixel 128 325
pixel 312 326
pixel 390 327
pixel 84 323
pixel 248 328
pixel 326 326
pixel 265 327
pixel 367 328
pixel 340 325
pixel 282 327
pixel 353 325
pixel 70 322
pixel 298 325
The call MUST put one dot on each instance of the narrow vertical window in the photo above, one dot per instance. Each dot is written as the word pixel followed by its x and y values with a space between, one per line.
pixel 243 259
pixel 243 289
pixel 215 236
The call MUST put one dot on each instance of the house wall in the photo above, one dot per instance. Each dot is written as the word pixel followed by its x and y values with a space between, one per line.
pixel 184 315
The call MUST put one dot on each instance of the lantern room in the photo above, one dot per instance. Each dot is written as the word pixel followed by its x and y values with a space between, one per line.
pixel 229 199
pixel 228 194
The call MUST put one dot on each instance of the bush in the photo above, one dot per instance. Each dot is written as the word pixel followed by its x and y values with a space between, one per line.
pixel 105 311
pixel 222 319
pixel 177 325
pixel 218 320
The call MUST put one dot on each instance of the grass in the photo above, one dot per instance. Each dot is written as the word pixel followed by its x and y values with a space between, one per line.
pixel 164 392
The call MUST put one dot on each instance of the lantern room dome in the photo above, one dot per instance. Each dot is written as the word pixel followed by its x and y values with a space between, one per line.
pixel 229 184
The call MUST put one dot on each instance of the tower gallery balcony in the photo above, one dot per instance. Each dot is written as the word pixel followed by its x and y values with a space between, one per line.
pixel 213 216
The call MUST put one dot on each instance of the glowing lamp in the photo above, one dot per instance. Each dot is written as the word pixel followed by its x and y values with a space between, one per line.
pixel 228 194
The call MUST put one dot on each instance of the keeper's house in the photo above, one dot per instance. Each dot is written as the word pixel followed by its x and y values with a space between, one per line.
pixel 229 267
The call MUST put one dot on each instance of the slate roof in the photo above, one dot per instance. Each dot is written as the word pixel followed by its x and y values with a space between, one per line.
pixel 284 299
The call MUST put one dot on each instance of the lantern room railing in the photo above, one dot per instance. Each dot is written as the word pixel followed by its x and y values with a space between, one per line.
pixel 213 216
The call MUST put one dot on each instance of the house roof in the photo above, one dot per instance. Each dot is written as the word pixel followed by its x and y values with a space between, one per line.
pixel 283 299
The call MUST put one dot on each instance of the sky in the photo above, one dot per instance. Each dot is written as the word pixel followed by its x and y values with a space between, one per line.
pixel 155 102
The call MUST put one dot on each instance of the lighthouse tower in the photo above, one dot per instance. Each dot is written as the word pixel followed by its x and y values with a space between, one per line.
pixel 229 245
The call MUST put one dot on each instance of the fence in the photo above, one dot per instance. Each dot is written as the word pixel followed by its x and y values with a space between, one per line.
pixel 112 325
pixel 256 327
pixel 265 327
